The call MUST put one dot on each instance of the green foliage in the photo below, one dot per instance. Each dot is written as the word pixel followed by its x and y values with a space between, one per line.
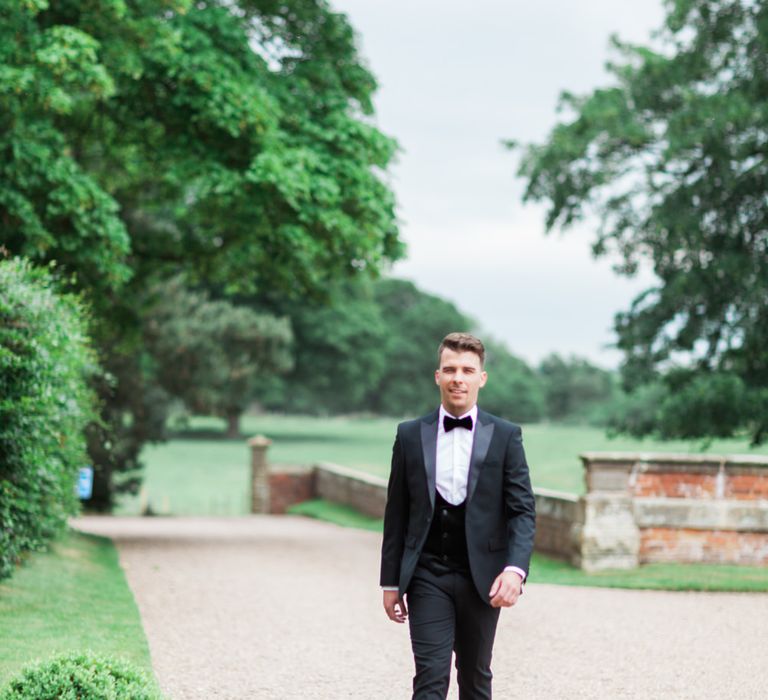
pixel 336 513
pixel 339 352
pixel 672 159
pixel 72 597
pixel 374 349
pixel 82 676
pixel 226 139
pixel 45 404
pixel 212 354
pixel 514 391
pixel 416 323
pixel 656 577
pixel 225 136
pixel 574 389
pixel 133 410
pixel 51 207
pixel 637 413
pixel 713 404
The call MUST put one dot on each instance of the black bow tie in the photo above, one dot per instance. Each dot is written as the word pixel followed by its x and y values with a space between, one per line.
pixel 450 423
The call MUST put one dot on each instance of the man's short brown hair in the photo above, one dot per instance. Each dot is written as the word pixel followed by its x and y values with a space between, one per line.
pixel 462 342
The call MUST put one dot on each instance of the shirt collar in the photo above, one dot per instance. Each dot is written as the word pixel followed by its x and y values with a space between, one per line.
pixel 472 412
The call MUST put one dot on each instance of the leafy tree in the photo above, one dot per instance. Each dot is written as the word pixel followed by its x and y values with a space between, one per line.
pixel 672 157
pixel 155 129
pixel 374 348
pixel 211 354
pixel 339 352
pixel 227 138
pixel 573 387
pixel 514 390
pixel 416 322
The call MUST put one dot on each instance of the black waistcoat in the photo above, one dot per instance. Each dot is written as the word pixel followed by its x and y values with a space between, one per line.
pixel 446 546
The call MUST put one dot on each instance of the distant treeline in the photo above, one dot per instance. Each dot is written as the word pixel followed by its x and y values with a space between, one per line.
pixel 369 347
pixel 376 351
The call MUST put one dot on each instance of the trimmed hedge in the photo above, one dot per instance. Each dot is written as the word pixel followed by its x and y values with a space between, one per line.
pixel 45 404
pixel 82 676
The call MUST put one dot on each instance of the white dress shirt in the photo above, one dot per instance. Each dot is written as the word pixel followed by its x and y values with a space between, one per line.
pixel 454 452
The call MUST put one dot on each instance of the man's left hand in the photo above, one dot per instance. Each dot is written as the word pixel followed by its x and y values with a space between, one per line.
pixel 506 589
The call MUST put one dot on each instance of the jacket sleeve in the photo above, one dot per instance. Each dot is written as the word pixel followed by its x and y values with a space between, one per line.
pixel 519 504
pixel 395 518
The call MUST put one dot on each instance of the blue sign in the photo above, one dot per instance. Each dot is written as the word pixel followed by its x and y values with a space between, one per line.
pixel 85 483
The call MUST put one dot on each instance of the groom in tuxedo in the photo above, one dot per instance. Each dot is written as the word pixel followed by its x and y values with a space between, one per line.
pixel 458 527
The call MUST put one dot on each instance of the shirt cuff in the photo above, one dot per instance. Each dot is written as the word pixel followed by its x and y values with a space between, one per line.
pixel 517 570
pixel 390 588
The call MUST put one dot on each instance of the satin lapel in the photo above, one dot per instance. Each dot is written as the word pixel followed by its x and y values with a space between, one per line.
pixel 429 452
pixel 480 445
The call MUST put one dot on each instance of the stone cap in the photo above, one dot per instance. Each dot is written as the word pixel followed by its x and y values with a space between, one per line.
pixel 621 459
pixel 283 468
pixel 560 495
pixel 259 441
pixel 351 474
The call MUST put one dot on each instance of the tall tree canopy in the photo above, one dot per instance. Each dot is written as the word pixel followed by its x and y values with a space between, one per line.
pixel 229 139
pixel 673 159
pixel 223 136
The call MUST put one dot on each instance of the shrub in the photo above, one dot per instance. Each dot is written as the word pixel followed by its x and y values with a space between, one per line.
pixel 81 676
pixel 45 404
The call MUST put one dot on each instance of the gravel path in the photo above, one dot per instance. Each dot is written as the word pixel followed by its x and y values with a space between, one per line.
pixel 285 607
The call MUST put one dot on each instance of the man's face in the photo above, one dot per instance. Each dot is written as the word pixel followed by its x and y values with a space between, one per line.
pixel 459 377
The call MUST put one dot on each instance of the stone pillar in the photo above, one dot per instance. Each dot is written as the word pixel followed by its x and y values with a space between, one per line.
pixel 260 498
pixel 609 537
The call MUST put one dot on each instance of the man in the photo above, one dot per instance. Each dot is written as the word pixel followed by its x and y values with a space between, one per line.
pixel 458 527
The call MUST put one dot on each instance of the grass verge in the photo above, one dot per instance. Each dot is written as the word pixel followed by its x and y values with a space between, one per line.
pixel 337 514
pixel 668 577
pixel 69 599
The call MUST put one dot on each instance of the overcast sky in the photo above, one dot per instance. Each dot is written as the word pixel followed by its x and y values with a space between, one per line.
pixel 457 78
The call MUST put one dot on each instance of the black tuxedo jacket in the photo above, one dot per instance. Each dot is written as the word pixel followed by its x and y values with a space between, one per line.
pixel 500 510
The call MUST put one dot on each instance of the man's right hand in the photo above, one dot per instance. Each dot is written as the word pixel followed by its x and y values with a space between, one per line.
pixel 394 606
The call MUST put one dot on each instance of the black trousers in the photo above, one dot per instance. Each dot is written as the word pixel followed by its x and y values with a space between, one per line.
pixel 446 614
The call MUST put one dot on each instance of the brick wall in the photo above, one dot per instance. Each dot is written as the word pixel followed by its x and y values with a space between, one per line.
pixel 665 544
pixel 639 508
pixel 675 485
pixel 290 485
pixel 688 508
pixel 747 486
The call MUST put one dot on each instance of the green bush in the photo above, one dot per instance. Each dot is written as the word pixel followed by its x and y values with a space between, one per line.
pixel 82 676
pixel 45 404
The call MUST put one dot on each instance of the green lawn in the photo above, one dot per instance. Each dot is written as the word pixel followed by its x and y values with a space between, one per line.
pixel 202 473
pixel 73 598
pixel 673 577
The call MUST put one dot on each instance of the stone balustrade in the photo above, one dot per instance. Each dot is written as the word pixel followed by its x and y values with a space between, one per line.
pixel 661 507
pixel 639 507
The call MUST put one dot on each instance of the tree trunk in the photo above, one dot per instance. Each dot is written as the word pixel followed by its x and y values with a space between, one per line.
pixel 233 425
